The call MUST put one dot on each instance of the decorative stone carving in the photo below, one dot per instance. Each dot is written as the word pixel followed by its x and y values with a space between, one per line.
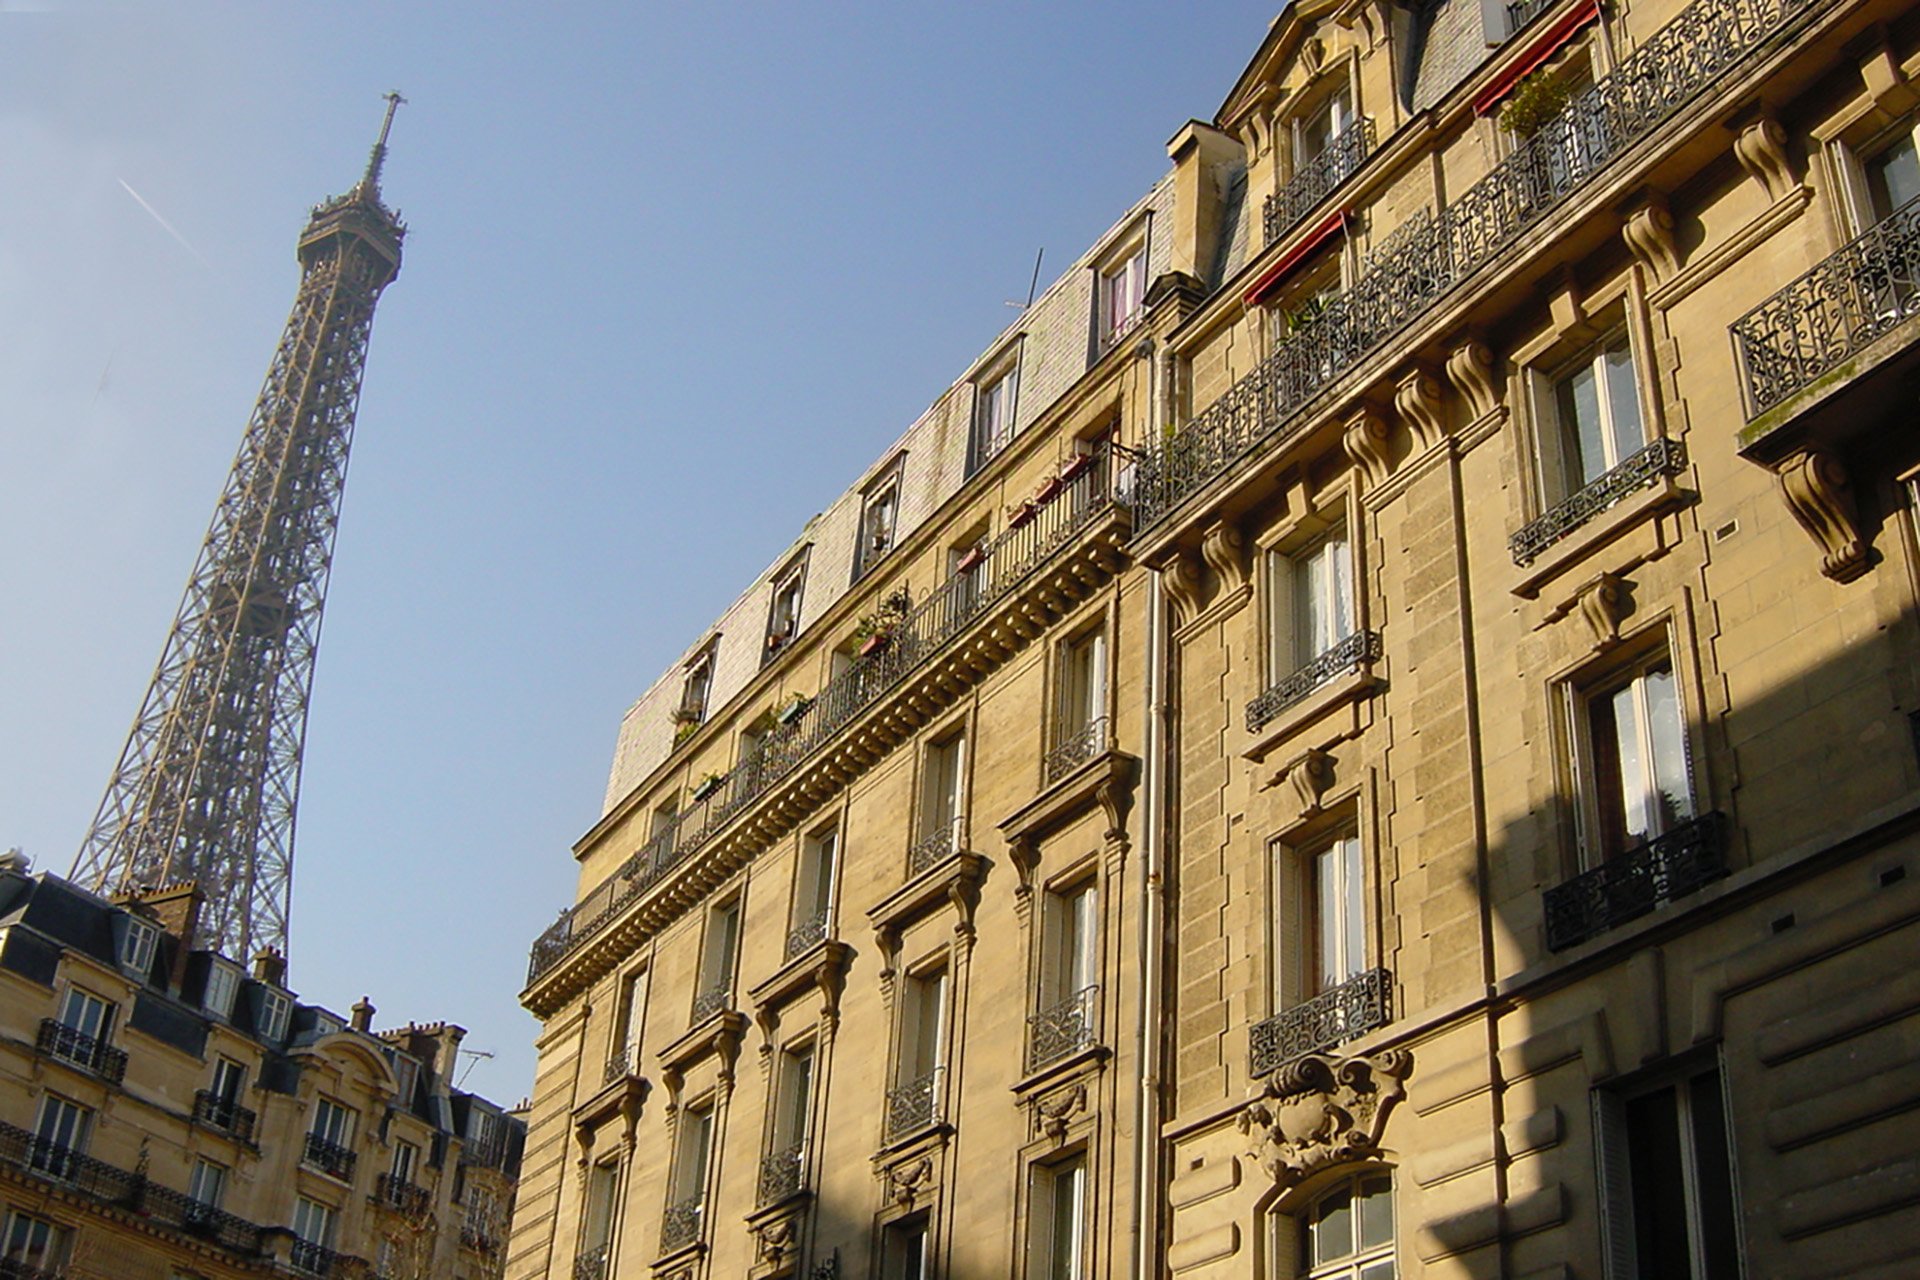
pixel 774 1241
pixel 1323 1110
pixel 1820 495
pixel 1185 583
pixel 907 1182
pixel 1603 603
pixel 1761 149
pixel 1222 547
pixel 1470 370
pixel 1417 400
pixel 1648 230
pixel 1311 775
pixel 1365 440
pixel 1055 1112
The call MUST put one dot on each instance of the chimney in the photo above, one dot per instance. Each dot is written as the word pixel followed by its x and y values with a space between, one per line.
pixel 362 1015
pixel 270 967
pixel 175 908
pixel 1204 163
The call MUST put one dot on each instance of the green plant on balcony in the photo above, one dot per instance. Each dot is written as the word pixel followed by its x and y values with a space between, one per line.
pixel 796 705
pixel 1534 102
pixel 708 784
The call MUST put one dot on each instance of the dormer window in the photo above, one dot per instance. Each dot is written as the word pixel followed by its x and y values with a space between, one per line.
pixel 1122 288
pixel 137 942
pixel 697 689
pixel 993 406
pixel 879 520
pixel 223 983
pixel 783 617
pixel 276 1009
pixel 326 1024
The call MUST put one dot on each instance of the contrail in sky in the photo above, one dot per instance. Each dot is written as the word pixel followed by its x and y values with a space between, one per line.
pixel 165 225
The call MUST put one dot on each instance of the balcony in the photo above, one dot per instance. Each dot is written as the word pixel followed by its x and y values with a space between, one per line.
pixel 216 1112
pixel 915 1105
pixel 592 1263
pixel 715 999
pixel 58 1040
pixel 14 1269
pixel 807 934
pixel 1832 314
pixel 402 1194
pixel 621 1063
pixel 1045 532
pixel 329 1157
pixel 680 1225
pixel 783 1174
pixel 1347 655
pixel 1407 282
pixel 1074 747
pixel 933 848
pixel 312 1259
pixel 1063 1029
pixel 1315 179
pixel 1335 1016
pixel 1629 886
pixel 1639 471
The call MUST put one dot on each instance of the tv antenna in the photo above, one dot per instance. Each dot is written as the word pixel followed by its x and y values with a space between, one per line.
pixel 1031 284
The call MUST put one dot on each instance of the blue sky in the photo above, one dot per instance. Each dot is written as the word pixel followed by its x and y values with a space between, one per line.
pixel 676 273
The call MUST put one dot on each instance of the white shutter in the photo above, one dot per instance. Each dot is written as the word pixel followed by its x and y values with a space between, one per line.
pixel 1615 1175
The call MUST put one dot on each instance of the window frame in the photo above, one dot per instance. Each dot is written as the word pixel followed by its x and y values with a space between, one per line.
pixel 222 988
pixel 944 807
pixel 816 880
pixel 787 600
pixel 1296 921
pixel 1595 832
pixel 994 420
pixel 339 1134
pixel 49 1252
pixel 720 949
pixel 1291 1232
pixel 1286 645
pixel 1045 1220
pixel 205 1170
pixel 696 685
pixel 915 1231
pixel 1321 280
pixel 138 941
pixel 1851 159
pixel 1557 442
pixel 98 1028
pixel 1083 686
pixel 871 546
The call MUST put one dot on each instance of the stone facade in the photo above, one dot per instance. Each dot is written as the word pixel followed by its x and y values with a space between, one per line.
pixel 169 1115
pixel 1493 855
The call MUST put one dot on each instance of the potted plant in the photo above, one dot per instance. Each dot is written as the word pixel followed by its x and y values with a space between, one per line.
pixel 1534 102
pixel 1306 315
pixel 1073 465
pixel 1048 487
pixel 684 729
pixel 708 784
pixel 796 705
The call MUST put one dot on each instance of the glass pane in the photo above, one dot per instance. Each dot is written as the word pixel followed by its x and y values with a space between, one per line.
pixel 1340 589
pixel 1333 1227
pixel 1326 888
pixel 1376 1216
pixel 1627 752
pixel 1378 1270
pixel 1579 405
pixel 1353 944
pixel 1713 1179
pixel 1659 1186
pixel 1623 404
pixel 1672 796
pixel 1893 177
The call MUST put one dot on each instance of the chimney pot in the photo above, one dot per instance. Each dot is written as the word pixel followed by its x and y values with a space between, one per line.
pixel 362 1014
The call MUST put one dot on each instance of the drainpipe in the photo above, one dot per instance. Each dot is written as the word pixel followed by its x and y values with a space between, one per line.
pixel 1146 1263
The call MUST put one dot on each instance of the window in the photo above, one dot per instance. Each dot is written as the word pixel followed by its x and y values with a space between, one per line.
pixel 1310 594
pixel 207 1184
pixel 783 617
pixel 1593 407
pixel 1080 730
pixel 137 942
pixel 1059 1221
pixel 1636 759
pixel 1345 1234
pixel 483 1136
pixel 313 1236
pixel 694 1146
pixel 906 1252
pixel 879 517
pixel 90 1019
pixel 406 1074
pixel 1069 975
pixel 276 1009
pixel 1666 1183
pixel 783 1171
pixel 914 1102
pixel 406 1159
pixel 993 414
pixel 596 1231
pixel 229 1078
pixel 332 1122
pixel 1320 927
pixel 1314 131
pixel 34 1243
pixel 697 688
pixel 1122 290
pixel 942 802
pixel 967 567
pixel 625 1060
pixel 60 1137
pixel 813 886
pixel 1304 305
pixel 716 961
pixel 223 983
pixel 1892 174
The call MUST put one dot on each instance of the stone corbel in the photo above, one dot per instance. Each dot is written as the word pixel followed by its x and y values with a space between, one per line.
pixel 1024 851
pixel 1322 1110
pixel 1223 548
pixel 1760 145
pixel 1054 1114
pixel 1567 305
pixel 1820 495
pixel 1366 441
pixel 1310 775
pixel 1603 603
pixel 1470 369
pixel 1647 227
pixel 1186 584
pixel 1418 401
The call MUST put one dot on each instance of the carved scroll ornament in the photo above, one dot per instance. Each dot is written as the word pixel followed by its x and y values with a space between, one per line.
pixel 1320 1111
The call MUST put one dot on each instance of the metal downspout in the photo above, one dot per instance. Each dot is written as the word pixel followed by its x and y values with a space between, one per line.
pixel 1152 937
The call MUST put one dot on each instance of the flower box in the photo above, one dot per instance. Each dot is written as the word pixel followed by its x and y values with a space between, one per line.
pixel 707 786
pixel 975 557
pixel 874 643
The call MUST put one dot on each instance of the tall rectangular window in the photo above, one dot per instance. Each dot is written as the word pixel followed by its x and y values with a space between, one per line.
pixel 915 1100
pixel 60 1137
pixel 718 948
pixel 88 1014
pixel 783 615
pixel 223 983
pixel 993 411
pixel 906 1250
pixel 406 1160
pixel 1315 131
pixel 1636 759
pixel 813 886
pixel 941 798
pixel 313 1236
pixel 276 1008
pixel 332 1122
pixel 1059 1222
pixel 879 518
pixel 632 1014
pixel 1083 683
pixel 137 942
pixel 1320 930
pixel 596 1227
pixel 686 1215
pixel 696 688
pixel 967 568
pixel 1123 289
pixel 34 1243
pixel 783 1169
pixel 1311 600
pixel 208 1183
pixel 229 1079
pixel 1893 174
pixel 1066 1020
pixel 1666 1181
pixel 1595 411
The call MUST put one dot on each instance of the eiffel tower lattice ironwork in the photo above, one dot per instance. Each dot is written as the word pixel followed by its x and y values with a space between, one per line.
pixel 207 784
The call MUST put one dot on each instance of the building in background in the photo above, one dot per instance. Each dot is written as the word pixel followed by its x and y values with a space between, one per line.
pixel 1371 734
pixel 168 1113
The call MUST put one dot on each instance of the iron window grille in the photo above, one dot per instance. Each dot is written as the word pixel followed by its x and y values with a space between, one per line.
pixel 1063 1029
pixel 210 1109
pixel 1866 289
pixel 592 1264
pixel 680 1226
pixel 1624 888
pixel 807 934
pixel 399 1193
pixel 1315 179
pixel 714 999
pixel 330 1157
pixel 915 1104
pixel 1522 12
pixel 1075 748
pixel 1335 1016
pixel 318 1260
pixel 782 1173
pixel 59 1040
pixel 1637 471
pixel 621 1063
pixel 933 848
pixel 1357 649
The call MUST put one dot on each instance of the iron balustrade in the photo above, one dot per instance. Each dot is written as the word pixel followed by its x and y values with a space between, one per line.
pixel 807 934
pixel 1075 747
pixel 908 639
pixel 478 1239
pixel 318 1260
pixel 1522 12
pixel 933 848
pixel 621 1063
pixel 400 1193
pixel 915 1104
pixel 329 1157
pixel 15 1269
pixel 216 1112
pixel 1346 655
pixel 1335 1016
pixel 92 1053
pixel 1064 1028
pixel 1640 470
pixel 782 1173
pixel 1675 65
pixel 1316 178
pixel 591 1265
pixel 715 999
pixel 124 1189
pixel 1632 884
pixel 1860 293
pixel 680 1225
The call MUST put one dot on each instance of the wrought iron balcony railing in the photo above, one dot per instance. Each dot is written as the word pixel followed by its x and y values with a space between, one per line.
pixel 914 1104
pixel 621 1063
pixel 591 1264
pixel 478 1239
pixel 783 1173
pixel 680 1226
pixel 1629 886
pixel 16 1269
pixel 1074 747
pixel 933 847
pixel 1314 180
pixel 1345 655
pixel 58 1040
pixel 1064 1028
pixel 715 999
pixel 313 1259
pixel 1522 12
pixel 1675 65
pixel 1335 1016
pixel 216 1112
pixel 807 934
pixel 1045 530
pixel 1638 471
pixel 329 1157
pixel 407 1196
pixel 109 1184
pixel 1866 289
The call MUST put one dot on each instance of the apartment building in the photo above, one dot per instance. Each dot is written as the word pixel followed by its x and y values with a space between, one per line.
pixel 167 1113
pixel 1379 741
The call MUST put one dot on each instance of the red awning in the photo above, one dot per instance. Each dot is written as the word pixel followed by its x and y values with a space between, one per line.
pixel 1290 261
pixel 1544 46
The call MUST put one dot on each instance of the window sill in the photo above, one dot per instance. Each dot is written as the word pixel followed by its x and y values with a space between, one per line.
pixel 1105 780
pixel 911 1144
pixel 1345 692
pixel 624 1098
pixel 721 1033
pixel 951 879
pixel 823 965
pixel 1082 1061
pixel 1603 528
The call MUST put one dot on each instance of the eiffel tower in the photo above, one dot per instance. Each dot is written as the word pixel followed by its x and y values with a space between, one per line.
pixel 206 786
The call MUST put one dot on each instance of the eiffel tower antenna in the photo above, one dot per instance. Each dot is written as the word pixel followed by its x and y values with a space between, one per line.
pixel 206 786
